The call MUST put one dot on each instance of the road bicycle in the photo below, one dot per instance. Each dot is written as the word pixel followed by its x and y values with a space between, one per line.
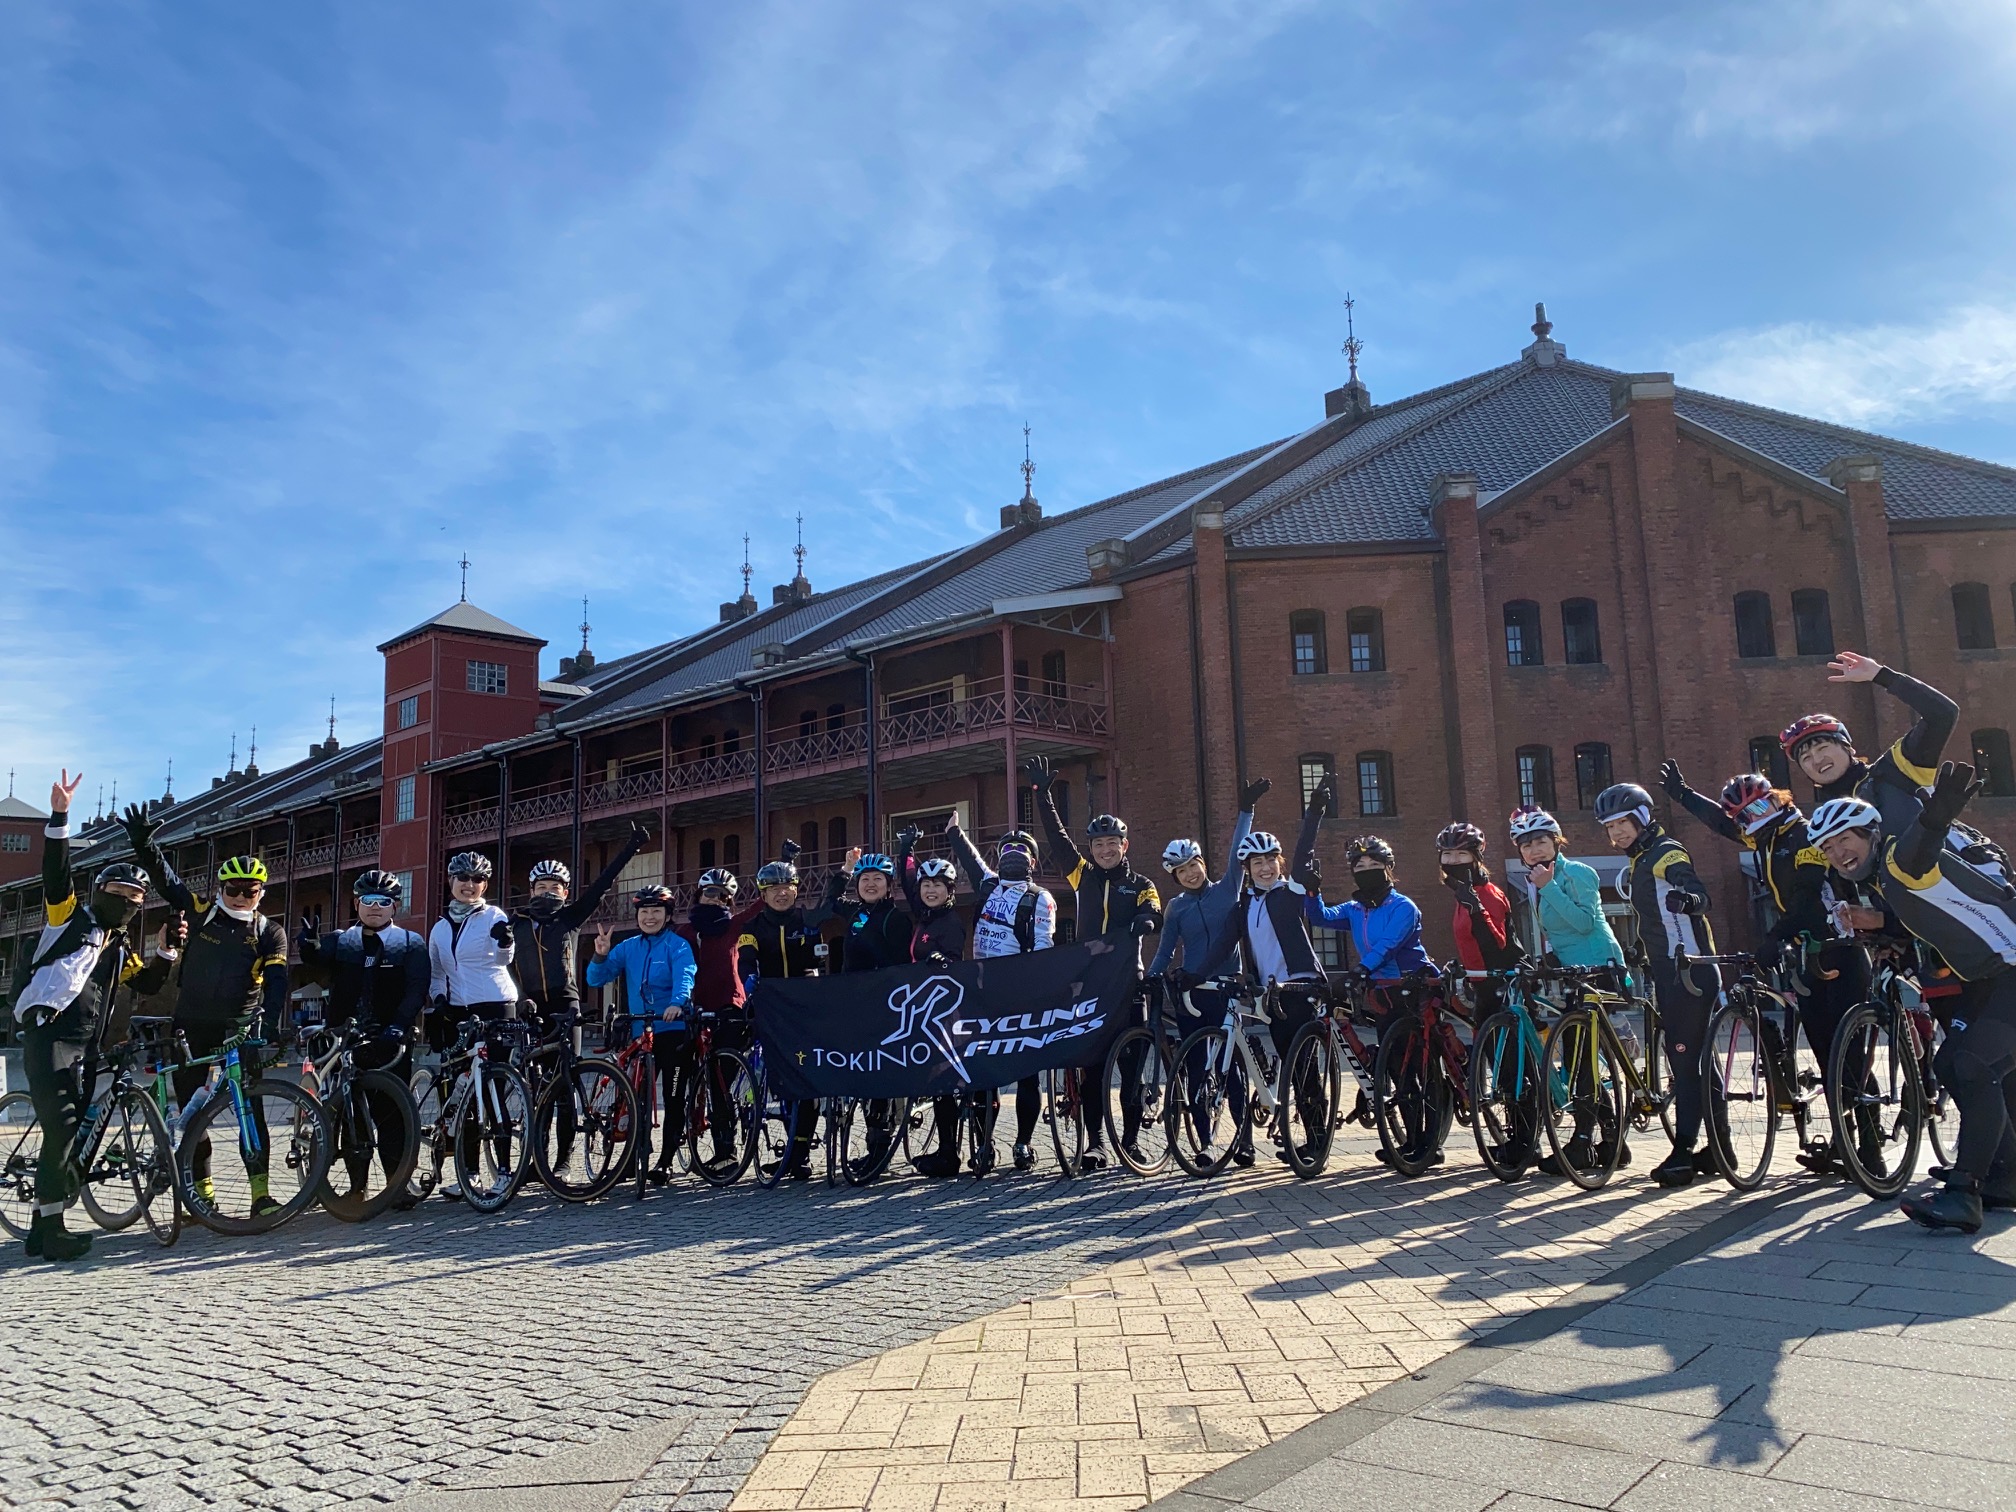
pixel 374 1124
pixel 475 1110
pixel 1508 1091
pixel 1067 1108
pixel 283 1138
pixel 123 1151
pixel 862 1136
pixel 583 1112
pixel 1755 1070
pixel 1421 1081
pixel 1333 1042
pixel 720 1106
pixel 972 1132
pixel 1887 1099
pixel 1223 1083
pixel 1599 1084
pixel 1134 1087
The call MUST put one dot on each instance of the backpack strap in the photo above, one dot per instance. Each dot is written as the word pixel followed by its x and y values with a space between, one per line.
pixel 1025 920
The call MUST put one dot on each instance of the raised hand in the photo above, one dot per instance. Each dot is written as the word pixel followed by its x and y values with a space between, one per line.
pixel 1253 792
pixel 1671 780
pixel 638 833
pixel 952 823
pixel 853 857
pixel 909 835
pixel 1310 873
pixel 601 942
pixel 1038 773
pixel 62 790
pixel 790 850
pixel 1324 799
pixel 140 830
pixel 1955 785
pixel 1853 667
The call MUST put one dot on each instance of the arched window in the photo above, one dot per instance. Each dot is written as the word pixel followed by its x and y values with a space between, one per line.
pixel 1812 622
pixel 1754 635
pixel 1536 776
pixel 1522 634
pixel 1973 620
pixel 1314 766
pixel 706 854
pixel 1768 757
pixel 1581 644
pixel 836 841
pixel 1375 784
pixel 1367 630
pixel 1307 643
pixel 1592 772
pixel 1991 760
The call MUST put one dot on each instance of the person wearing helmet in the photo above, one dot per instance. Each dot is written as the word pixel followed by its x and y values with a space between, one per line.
pixel 1832 972
pixel 657 969
pixel 1113 900
pixel 1565 896
pixel 1200 911
pixel 938 939
pixel 714 928
pixel 546 935
pixel 1012 915
pixel 1483 922
pixel 862 895
pixel 232 976
pixel 471 948
pixel 1968 916
pixel 1384 923
pixel 83 955
pixel 1820 744
pixel 1670 904
pixel 782 939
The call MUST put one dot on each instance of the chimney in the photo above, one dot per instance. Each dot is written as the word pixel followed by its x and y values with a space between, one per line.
pixel 1104 558
pixel 738 609
pixel 767 655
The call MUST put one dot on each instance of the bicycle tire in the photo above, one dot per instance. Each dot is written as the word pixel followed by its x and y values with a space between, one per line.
pixel 1740 1095
pixel 727 1074
pixel 1879 1098
pixel 389 1120
pixel 1411 1101
pixel 20 1154
pixel 502 1138
pixel 920 1134
pixel 1310 1065
pixel 303 1151
pixel 1064 1111
pixel 1658 1072
pixel 431 1154
pixel 109 1171
pixel 585 1161
pixel 1152 1090
pixel 1202 1128
pixel 1505 1111
pixel 1587 1099
pixel 770 1142
pixel 865 1158
pixel 149 1163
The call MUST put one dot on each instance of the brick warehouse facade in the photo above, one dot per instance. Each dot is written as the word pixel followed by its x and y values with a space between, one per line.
pixel 1519 584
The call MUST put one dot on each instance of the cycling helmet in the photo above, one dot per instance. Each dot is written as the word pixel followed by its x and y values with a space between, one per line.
pixel 470 864
pixel 652 895
pixel 243 869
pixel 1529 820
pixel 721 877
pixel 1104 825
pixel 1753 803
pixel 776 874
pixel 555 870
pixel 1259 843
pixel 1017 839
pixel 938 869
pixel 1461 836
pixel 1812 727
pixel 379 884
pixel 122 874
pixel 875 861
pixel 1624 800
pixel 1367 852
pixel 1839 815
pixel 1180 853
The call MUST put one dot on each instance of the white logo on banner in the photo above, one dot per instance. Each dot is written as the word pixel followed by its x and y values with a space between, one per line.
pixel 923 1011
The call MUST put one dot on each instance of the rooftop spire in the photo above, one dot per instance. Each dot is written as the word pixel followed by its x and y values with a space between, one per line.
pixel 252 756
pixel 1544 351
pixel 1028 469
pixel 464 564
pixel 1353 401
pixel 798 551
pixel 584 622
pixel 747 570
pixel 332 716
pixel 1027 511
pixel 744 606
pixel 101 804
pixel 1352 345
pixel 1542 326
pixel 233 767
pixel 168 791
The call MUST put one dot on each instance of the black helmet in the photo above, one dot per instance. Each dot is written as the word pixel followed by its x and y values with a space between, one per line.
pixel 776 874
pixel 1017 839
pixel 1461 836
pixel 376 881
pixel 1367 849
pixel 1624 800
pixel 470 864
pixel 125 873
pixel 652 895
pixel 1105 825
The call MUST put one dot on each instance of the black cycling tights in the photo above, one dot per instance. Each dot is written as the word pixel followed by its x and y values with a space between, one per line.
pixel 1977 1064
pixel 1684 999
pixel 50 1063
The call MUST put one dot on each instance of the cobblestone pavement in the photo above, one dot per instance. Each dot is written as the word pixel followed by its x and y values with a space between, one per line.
pixel 327 1365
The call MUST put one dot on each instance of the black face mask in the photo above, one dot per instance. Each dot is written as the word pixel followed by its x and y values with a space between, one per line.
pixel 545 906
pixel 110 910
pixel 1014 866
pixel 1373 887
pixel 1465 873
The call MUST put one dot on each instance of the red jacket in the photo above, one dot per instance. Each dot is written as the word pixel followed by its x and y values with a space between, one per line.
pixel 718 983
pixel 1497 914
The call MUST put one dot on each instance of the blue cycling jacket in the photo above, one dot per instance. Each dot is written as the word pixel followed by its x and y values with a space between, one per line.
pixel 1199 921
pixel 1388 937
pixel 657 972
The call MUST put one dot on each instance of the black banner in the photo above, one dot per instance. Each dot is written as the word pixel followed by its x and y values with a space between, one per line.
pixel 916 1031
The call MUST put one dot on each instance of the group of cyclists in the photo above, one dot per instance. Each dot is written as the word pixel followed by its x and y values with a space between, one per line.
pixel 1882 868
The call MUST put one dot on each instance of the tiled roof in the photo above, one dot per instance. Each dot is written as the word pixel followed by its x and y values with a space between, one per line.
pixel 17 808
pixel 466 616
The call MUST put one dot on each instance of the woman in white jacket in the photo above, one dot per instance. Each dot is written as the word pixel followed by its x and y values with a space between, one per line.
pixel 469 952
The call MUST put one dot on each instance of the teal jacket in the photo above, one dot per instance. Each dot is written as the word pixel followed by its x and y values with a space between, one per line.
pixel 1571 916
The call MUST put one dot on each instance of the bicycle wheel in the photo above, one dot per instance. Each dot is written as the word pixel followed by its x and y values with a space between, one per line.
pixel 147 1155
pixel 20 1153
pixel 429 1089
pixel 1658 1070
pixel 1505 1111
pixel 1582 1097
pixel 249 1174
pixel 493 1144
pixel 770 1140
pixel 108 1196
pixel 1879 1101
pixel 1138 1056
pixel 1207 1102
pixel 377 1147
pixel 1412 1101
pixel 581 1130
pixel 1064 1110
pixel 870 1129
pixel 1311 1084
pixel 1940 1118
pixel 1740 1092
pixel 727 1100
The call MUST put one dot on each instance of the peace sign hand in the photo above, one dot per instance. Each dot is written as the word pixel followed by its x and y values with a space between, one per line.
pixel 601 942
pixel 62 790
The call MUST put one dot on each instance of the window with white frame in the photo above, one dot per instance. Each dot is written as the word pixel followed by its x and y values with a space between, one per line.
pixel 402 799
pixel 489 677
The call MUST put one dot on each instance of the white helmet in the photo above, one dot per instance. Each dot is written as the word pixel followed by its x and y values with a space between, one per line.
pixel 1259 843
pixel 1529 820
pixel 1180 853
pixel 1839 815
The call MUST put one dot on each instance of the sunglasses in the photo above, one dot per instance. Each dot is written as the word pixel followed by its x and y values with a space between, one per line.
pixel 1760 808
pixel 375 900
pixel 241 889
pixel 713 892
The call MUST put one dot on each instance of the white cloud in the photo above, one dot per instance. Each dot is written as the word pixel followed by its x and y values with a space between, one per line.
pixel 1962 360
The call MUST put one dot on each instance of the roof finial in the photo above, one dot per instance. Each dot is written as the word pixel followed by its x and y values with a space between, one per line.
pixel 746 570
pixel 233 767
pixel 1352 345
pixel 10 782
pixel 101 804
pixel 169 790
pixel 252 756
pixel 465 577
pixel 1028 469
pixel 332 716
pixel 115 795
pixel 798 551
pixel 584 622
pixel 1542 326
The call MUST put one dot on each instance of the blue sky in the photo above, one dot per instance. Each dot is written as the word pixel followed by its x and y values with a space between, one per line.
pixel 299 303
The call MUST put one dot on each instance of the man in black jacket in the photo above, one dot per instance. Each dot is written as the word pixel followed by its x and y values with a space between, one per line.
pixel 548 930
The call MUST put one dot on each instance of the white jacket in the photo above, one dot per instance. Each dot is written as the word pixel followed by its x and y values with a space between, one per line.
pixel 467 963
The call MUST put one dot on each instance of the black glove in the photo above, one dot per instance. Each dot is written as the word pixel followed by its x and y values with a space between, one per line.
pixel 1310 873
pixel 439 1004
pixel 501 931
pixel 140 830
pixel 1144 924
pixel 1253 792
pixel 1465 894
pixel 1679 903
pixel 909 835
pixel 937 960
pixel 1038 773
pixel 391 1034
pixel 306 935
pixel 790 850
pixel 1181 981
pixel 1671 780
pixel 1955 785
pixel 638 834
pixel 1323 801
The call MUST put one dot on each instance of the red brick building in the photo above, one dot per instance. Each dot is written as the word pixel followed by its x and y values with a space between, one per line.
pixel 1519 585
